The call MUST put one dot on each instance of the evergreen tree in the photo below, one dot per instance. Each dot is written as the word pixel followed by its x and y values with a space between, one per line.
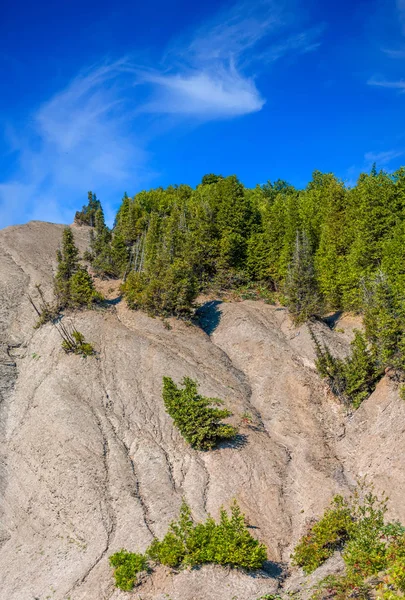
pixel 359 371
pixel 301 285
pixel 100 245
pixel 68 264
pixel 384 322
pixel 210 178
pixel 73 286
pixel 199 423
pixel 87 216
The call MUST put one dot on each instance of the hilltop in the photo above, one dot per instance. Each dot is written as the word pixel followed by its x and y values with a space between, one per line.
pixel 91 462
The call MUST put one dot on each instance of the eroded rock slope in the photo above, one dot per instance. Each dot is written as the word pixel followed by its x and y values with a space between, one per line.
pixel 91 463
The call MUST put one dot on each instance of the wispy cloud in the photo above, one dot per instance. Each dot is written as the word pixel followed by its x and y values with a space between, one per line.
pixel 399 84
pixel 78 140
pixel 394 53
pixel 94 133
pixel 401 13
pixel 221 92
pixel 382 158
pixel 213 74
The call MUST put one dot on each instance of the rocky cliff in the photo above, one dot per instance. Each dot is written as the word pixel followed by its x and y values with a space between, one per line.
pixel 90 462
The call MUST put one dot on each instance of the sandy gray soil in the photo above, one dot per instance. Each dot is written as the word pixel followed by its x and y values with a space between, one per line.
pixel 90 462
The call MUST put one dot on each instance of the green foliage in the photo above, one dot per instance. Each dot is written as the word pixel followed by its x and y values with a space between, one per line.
pixel 301 286
pixel 199 423
pixel 352 379
pixel 188 544
pixel 127 565
pixel 384 320
pixel 74 342
pixel 222 231
pixel 326 536
pixel 87 216
pixel 73 286
pixel 373 552
pixel 210 178
pixel 225 543
pixel 82 291
pixel 170 294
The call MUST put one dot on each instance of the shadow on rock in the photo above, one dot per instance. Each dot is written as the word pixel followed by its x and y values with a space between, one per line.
pixel 209 316
pixel 237 443
pixel 273 570
pixel 114 301
pixel 331 320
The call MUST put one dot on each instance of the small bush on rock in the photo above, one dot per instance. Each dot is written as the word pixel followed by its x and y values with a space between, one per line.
pixel 199 423
pixel 127 565
pixel 74 342
pixel 226 543
pixel 188 544
pixel 326 536
pixel 373 552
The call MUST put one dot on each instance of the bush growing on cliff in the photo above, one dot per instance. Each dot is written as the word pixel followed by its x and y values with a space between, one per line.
pixel 326 536
pixel 352 379
pixel 127 565
pixel 73 341
pixel 188 544
pixel 199 423
pixel 225 543
pixel 373 551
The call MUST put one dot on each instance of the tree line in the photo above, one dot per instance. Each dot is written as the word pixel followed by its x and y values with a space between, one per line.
pixel 327 247
pixel 316 246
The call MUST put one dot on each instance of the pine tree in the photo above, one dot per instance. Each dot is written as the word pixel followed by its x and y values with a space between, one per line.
pixel 194 415
pixel 73 286
pixel 384 322
pixel 100 245
pixel 68 264
pixel 301 286
pixel 87 216
pixel 359 371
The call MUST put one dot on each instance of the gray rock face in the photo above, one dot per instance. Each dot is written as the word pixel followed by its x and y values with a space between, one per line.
pixel 90 462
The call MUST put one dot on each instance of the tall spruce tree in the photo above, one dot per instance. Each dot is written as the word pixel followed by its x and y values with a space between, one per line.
pixel 68 264
pixel 384 321
pixel 87 216
pixel 301 287
pixel 73 286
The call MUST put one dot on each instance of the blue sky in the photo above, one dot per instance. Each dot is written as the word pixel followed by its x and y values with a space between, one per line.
pixel 145 94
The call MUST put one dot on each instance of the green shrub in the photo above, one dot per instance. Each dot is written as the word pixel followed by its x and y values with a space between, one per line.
pixel 74 342
pixel 199 423
pixel 189 544
pixel 342 587
pixel 396 562
pixel 126 567
pixel 171 290
pixel 326 536
pixel 352 379
pixel 365 551
pixel 373 552
pixel 226 543
pixel 82 291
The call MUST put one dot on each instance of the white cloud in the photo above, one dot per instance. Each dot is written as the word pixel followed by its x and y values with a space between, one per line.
pixel 401 12
pixel 205 94
pixel 394 53
pixel 213 77
pixel 396 85
pixel 382 158
pixel 79 140
pixel 93 134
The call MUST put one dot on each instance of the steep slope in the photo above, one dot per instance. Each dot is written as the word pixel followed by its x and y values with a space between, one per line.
pixel 91 463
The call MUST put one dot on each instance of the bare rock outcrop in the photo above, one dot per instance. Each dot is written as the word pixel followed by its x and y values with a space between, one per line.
pixel 90 462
